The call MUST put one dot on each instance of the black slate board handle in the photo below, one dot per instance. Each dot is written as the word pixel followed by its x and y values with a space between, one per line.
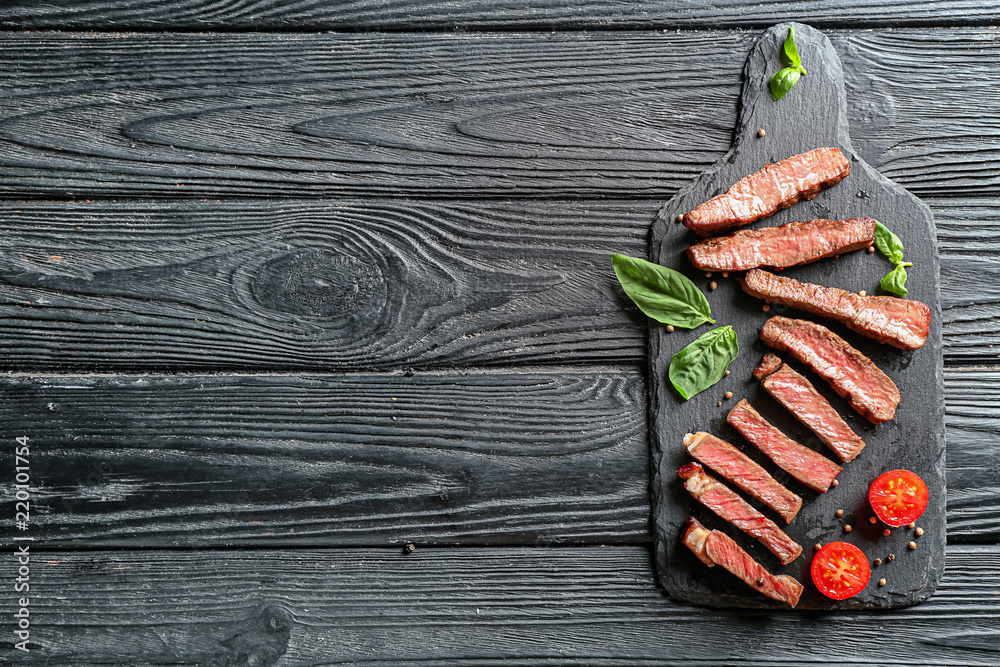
pixel 811 115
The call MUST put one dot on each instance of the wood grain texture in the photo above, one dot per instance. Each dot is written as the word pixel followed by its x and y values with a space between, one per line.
pixel 459 607
pixel 477 14
pixel 445 115
pixel 535 457
pixel 371 460
pixel 370 285
pixel 355 285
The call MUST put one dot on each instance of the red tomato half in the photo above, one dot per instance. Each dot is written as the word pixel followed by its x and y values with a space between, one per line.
pixel 840 570
pixel 898 497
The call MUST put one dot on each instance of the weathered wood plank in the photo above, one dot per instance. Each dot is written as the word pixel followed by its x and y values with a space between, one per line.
pixel 370 460
pixel 444 115
pixel 369 285
pixel 421 14
pixel 472 606
pixel 535 457
pixel 355 285
pixel 969 242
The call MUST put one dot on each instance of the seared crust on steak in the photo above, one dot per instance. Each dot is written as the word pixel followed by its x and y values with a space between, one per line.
pixel 770 363
pixel 902 323
pixel 772 188
pixel 779 247
pixel 851 374
pixel 694 537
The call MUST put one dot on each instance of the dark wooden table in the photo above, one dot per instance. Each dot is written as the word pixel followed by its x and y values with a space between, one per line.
pixel 289 286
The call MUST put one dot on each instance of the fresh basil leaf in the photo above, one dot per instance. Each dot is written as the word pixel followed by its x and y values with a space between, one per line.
pixel 894 282
pixel 703 363
pixel 783 81
pixel 888 243
pixel 790 52
pixel 665 295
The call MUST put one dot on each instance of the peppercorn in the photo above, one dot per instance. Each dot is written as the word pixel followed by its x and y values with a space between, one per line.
pixel 713 285
pixel 817 546
pixel 877 562
pixel 891 557
pixel 912 525
pixel 871 248
pixel 835 482
pixel 409 548
pixel 766 307
pixel 725 274
pixel 872 519
pixel 881 582
pixel 708 274
pixel 760 582
pixel 840 512
pixel 862 293
pixel 720 404
pixel 912 545
pixel 729 394
pixel 761 132
pixel 887 532
pixel 727 372
pixel 680 217
pixel 920 532
pixel 848 528
pixel 670 328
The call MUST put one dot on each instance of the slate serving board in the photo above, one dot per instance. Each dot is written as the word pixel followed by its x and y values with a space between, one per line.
pixel 811 115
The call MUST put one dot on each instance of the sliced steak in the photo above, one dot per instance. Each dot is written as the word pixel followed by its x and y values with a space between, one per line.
pixel 850 373
pixel 770 363
pixel 802 463
pixel 774 187
pixel 744 472
pixel 800 397
pixel 714 547
pixel 902 323
pixel 725 502
pixel 779 247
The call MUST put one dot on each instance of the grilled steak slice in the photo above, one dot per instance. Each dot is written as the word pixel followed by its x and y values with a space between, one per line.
pixel 802 463
pixel 725 502
pixel 694 537
pixel 800 398
pixel 788 245
pixel 744 472
pixel 850 373
pixel 764 192
pixel 902 323
pixel 712 546
pixel 770 363
pixel 724 551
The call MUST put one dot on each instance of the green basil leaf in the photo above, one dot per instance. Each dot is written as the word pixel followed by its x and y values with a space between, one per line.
pixel 703 363
pixel 665 295
pixel 894 282
pixel 888 243
pixel 790 52
pixel 783 81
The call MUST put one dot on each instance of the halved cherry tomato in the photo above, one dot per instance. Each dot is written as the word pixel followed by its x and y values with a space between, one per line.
pixel 898 497
pixel 840 570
